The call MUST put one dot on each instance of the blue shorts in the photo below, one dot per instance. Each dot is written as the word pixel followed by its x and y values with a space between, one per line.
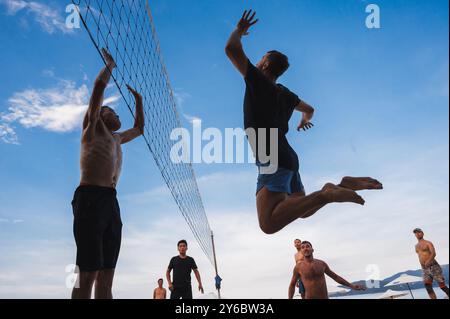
pixel 283 181
pixel 301 287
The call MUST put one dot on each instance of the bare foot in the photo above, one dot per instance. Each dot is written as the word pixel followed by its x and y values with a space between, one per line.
pixel 337 194
pixel 360 183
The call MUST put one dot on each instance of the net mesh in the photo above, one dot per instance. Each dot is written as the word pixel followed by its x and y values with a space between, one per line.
pixel 126 29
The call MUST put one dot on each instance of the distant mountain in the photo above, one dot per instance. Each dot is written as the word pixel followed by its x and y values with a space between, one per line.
pixel 384 282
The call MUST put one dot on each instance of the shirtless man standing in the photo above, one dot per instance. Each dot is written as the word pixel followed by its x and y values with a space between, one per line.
pixel 160 292
pixel 97 223
pixel 312 272
pixel 431 269
pixel 299 258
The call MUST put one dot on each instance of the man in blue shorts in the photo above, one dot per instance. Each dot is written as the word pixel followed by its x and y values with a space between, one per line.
pixel 268 107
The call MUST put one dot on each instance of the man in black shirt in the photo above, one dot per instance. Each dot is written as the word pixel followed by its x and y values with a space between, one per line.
pixel 268 107
pixel 182 265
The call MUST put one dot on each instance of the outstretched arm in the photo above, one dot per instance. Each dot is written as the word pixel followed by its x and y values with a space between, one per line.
pixel 308 114
pixel 138 128
pixel 341 280
pixel 95 103
pixel 199 279
pixel 234 49
pixel 294 280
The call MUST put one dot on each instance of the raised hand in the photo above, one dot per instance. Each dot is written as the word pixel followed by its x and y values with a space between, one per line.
pixel 247 21
pixel 136 94
pixel 109 59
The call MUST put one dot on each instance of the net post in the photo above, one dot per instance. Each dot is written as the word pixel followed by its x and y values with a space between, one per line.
pixel 215 262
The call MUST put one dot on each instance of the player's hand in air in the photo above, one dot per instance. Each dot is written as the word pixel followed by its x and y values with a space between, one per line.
pixel 109 59
pixel 246 22
pixel 136 94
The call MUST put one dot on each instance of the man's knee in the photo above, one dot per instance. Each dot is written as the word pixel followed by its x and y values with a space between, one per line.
pixel 442 285
pixel 267 228
pixel 87 278
pixel 105 279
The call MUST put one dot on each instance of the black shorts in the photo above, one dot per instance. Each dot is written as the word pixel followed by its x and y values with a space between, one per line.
pixel 97 228
pixel 181 293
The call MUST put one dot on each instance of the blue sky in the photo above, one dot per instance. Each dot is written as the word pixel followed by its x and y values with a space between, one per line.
pixel 382 109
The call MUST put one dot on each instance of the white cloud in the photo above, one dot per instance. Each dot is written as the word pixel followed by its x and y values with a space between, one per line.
pixel 181 97
pixel 7 134
pixel 48 73
pixel 49 19
pixel 59 109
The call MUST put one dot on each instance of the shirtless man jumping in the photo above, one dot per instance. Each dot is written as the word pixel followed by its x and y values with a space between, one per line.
pixel 299 258
pixel 312 273
pixel 268 107
pixel 432 271
pixel 97 223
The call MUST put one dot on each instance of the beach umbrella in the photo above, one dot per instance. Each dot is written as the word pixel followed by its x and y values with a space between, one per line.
pixel 392 294
pixel 405 279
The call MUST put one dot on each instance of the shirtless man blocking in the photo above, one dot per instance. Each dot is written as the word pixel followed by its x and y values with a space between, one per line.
pixel 268 107
pixel 312 272
pixel 299 258
pixel 160 292
pixel 432 271
pixel 97 223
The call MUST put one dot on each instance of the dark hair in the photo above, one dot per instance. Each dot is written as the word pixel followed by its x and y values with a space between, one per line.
pixel 182 242
pixel 307 243
pixel 279 63
pixel 297 239
pixel 160 279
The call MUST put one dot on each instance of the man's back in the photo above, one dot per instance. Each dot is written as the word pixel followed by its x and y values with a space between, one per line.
pixel 268 105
